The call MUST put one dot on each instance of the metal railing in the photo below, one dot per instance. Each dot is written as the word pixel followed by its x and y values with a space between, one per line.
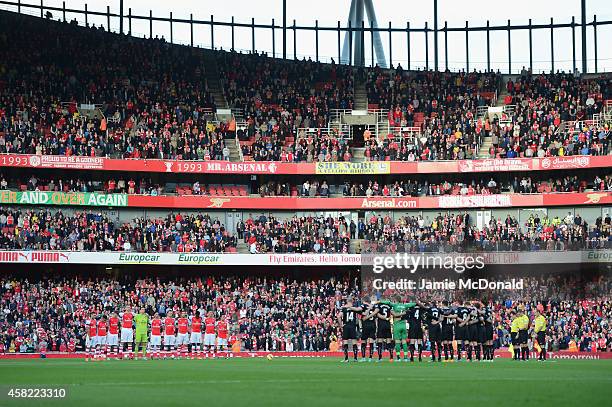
pixel 405 132
pixel 239 147
pixel 411 32
pixel 336 114
pixel 482 111
pixel 341 133
pixel 238 113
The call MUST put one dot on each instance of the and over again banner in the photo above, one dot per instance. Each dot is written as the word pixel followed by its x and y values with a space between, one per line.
pixel 63 198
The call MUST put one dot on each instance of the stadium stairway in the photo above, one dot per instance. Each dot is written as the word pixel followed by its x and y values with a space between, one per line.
pixel 485 147
pixel 233 148
pixel 360 93
pixel 212 80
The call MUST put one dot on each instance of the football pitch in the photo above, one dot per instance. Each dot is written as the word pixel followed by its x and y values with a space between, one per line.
pixel 313 382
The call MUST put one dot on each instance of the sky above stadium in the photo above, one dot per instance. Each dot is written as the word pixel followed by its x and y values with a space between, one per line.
pixel 328 13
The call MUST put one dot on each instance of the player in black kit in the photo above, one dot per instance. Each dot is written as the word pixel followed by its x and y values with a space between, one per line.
pixel 473 322
pixel 368 327
pixel 348 319
pixel 434 330
pixel 449 316
pixel 433 317
pixel 415 330
pixel 383 329
pixel 488 333
pixel 478 343
pixel 461 329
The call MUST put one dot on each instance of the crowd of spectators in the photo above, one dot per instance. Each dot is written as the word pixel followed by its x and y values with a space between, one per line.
pixel 483 186
pixel 156 108
pixel 95 231
pixel 279 314
pixel 264 313
pixel 405 187
pixel 118 185
pixel 278 96
pixel 312 188
pixel 443 107
pixel 414 188
pixel 44 229
pixel 457 232
pixel 542 103
pixel 161 108
pixel 307 148
pixel 304 234
pixel 441 104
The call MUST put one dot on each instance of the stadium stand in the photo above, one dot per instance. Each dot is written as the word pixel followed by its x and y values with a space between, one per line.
pixel 268 313
pixel 54 230
pixel 89 231
pixel 449 232
pixel 58 98
pixel 54 103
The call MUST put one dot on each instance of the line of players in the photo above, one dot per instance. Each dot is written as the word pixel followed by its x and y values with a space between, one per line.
pixel 170 337
pixel 400 326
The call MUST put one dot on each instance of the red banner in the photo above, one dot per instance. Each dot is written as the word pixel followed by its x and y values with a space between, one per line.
pixel 515 164
pixel 171 166
pixel 493 165
pixel 587 198
pixel 224 167
pixel 375 204
pixel 284 203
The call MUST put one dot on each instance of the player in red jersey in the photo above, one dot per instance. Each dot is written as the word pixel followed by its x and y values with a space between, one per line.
pixel 169 339
pixel 195 339
pixel 71 345
pixel 182 337
pixel 92 334
pixel 127 333
pixel 42 341
pixel 112 341
pixel 101 350
pixel 209 335
pixel 156 328
pixel 222 330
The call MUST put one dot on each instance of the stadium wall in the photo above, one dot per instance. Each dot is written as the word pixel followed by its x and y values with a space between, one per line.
pixel 93 199
pixel 499 353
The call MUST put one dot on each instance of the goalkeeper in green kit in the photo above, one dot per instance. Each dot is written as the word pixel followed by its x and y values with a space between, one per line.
pixel 142 329
pixel 400 332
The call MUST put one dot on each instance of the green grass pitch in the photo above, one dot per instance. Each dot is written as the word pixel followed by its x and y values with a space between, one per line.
pixel 313 382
